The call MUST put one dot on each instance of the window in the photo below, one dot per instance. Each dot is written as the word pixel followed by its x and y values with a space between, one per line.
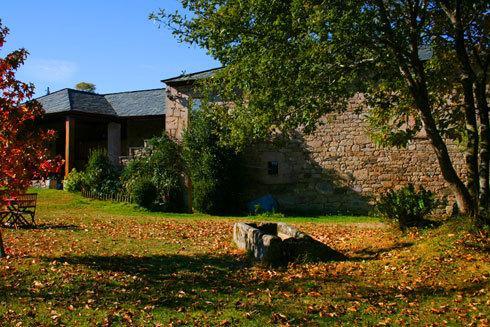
pixel 273 168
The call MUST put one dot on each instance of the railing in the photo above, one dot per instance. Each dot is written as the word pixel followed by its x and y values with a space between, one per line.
pixel 108 197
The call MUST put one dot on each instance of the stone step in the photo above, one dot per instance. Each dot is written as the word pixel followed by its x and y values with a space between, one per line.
pixel 124 160
pixel 135 152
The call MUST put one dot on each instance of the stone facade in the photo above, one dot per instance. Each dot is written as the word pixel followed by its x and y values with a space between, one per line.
pixel 338 169
pixel 176 112
pixel 335 170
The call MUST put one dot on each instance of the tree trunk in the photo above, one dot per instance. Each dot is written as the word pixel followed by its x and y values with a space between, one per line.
pixel 414 75
pixel 2 249
pixel 468 79
pixel 480 92
pixel 471 151
pixel 463 198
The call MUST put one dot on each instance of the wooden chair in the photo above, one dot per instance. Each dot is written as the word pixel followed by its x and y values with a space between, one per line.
pixel 21 210
pixel 4 211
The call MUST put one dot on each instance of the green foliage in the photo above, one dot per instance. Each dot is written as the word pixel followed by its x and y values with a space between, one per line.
pixel 74 182
pixel 144 193
pixel 407 206
pixel 287 63
pixel 391 118
pixel 163 166
pixel 100 176
pixel 293 61
pixel 214 168
pixel 87 87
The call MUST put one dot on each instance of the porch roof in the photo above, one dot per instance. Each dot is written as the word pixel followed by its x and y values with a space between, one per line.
pixel 188 78
pixel 122 104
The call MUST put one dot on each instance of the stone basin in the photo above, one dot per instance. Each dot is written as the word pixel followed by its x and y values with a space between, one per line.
pixel 280 243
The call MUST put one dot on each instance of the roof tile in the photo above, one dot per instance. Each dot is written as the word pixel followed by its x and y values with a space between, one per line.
pixel 123 104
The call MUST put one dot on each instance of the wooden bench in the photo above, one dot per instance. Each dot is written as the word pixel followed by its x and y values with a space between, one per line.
pixel 4 212
pixel 18 210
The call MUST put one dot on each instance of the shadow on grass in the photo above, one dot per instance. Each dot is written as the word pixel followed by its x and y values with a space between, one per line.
pixel 376 294
pixel 420 224
pixel 374 253
pixel 174 281
pixel 208 283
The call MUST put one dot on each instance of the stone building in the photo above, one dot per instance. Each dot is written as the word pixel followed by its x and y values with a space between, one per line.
pixel 337 169
pixel 116 122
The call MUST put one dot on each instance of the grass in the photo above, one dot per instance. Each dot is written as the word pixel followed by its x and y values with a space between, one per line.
pixel 99 263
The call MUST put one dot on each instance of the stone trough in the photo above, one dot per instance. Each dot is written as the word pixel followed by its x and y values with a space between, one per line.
pixel 279 243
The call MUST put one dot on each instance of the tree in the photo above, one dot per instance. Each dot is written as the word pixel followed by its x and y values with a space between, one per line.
pixel 87 87
pixel 23 148
pixel 287 63
pixel 468 33
pixel 213 167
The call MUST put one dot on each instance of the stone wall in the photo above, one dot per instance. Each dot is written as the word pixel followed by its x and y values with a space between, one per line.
pixel 339 170
pixel 176 110
pixel 335 170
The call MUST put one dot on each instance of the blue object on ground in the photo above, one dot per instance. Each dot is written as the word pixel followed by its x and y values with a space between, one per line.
pixel 266 203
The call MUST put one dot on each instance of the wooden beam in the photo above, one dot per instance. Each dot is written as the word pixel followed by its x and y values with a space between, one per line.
pixel 69 144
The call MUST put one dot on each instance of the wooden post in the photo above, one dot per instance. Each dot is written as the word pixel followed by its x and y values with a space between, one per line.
pixel 69 144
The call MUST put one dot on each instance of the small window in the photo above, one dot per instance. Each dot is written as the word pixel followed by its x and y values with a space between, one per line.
pixel 273 168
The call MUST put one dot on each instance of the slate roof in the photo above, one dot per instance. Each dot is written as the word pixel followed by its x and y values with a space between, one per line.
pixel 138 103
pixel 122 104
pixel 90 103
pixel 184 78
pixel 56 102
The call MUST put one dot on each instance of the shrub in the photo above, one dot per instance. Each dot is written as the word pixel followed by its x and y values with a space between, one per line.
pixel 100 175
pixel 407 206
pixel 205 196
pixel 144 193
pixel 74 181
pixel 213 168
pixel 163 167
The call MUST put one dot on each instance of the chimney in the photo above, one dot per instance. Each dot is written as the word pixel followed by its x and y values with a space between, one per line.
pixel 48 91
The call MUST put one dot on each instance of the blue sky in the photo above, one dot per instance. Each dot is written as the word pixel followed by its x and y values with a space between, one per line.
pixel 110 43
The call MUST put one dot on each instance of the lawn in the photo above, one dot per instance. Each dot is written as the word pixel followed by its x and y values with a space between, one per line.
pixel 99 263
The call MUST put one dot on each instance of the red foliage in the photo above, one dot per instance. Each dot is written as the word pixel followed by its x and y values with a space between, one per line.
pixel 24 155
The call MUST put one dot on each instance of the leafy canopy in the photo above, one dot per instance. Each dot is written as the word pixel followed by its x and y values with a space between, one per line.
pixel 23 147
pixel 24 155
pixel 287 63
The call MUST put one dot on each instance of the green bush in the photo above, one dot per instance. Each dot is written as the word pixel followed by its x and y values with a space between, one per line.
pixel 213 168
pixel 74 181
pixel 163 167
pixel 144 193
pixel 407 206
pixel 100 175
